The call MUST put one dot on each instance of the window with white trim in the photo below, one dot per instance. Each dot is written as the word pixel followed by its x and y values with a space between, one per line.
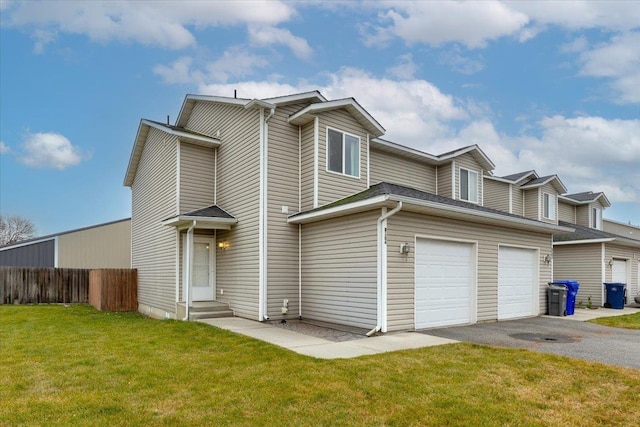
pixel 469 185
pixel 343 153
pixel 549 208
pixel 596 218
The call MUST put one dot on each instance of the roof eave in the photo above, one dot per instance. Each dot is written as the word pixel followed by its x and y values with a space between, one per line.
pixel 184 221
pixel 432 208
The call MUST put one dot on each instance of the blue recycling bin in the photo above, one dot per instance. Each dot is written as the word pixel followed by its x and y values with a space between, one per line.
pixel 572 291
pixel 615 295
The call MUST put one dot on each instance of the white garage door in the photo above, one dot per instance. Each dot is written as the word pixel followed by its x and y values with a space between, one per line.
pixel 619 271
pixel 445 283
pixel 517 285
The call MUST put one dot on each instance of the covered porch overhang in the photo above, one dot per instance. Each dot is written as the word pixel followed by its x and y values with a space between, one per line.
pixel 198 275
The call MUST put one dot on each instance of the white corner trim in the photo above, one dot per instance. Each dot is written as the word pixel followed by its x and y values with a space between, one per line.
pixel 510 198
pixel 55 252
pixel 215 176
pixel 453 179
pixel 299 168
pixel 316 161
pixel 368 169
pixel 604 273
pixel 178 176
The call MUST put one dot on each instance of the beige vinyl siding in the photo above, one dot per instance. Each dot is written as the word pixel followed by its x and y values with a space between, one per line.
pixel 466 161
pixel 306 157
pixel 153 200
pixel 549 189
pixel 404 226
pixel 238 192
pixel 566 212
pixel 582 263
pixel 625 230
pixel 197 175
pixel 333 186
pixel 386 167
pixel 105 246
pixel 517 201
pixel 582 215
pixel 496 195
pixel 282 238
pixel 339 270
pixel 444 181
pixel 532 204
pixel 631 255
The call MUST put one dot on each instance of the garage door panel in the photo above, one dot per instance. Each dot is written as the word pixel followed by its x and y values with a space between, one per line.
pixel 517 282
pixel 444 280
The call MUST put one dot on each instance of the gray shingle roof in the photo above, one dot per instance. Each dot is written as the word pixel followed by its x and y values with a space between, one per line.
pixel 538 181
pixel 586 233
pixel 517 176
pixel 386 188
pixel 213 211
pixel 587 196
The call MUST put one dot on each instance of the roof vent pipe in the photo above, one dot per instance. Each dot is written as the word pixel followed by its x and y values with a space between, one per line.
pixel 235 94
pixel 167 120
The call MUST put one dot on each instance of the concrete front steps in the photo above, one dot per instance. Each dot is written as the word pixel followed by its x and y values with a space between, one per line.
pixel 209 310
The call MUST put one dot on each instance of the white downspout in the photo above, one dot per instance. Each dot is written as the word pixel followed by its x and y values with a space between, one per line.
pixel 382 269
pixel 300 271
pixel 189 270
pixel 265 183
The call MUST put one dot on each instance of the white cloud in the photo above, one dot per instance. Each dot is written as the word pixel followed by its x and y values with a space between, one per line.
pixel 160 23
pixel 41 39
pixel 179 72
pixel 234 62
pixel 4 148
pixel 577 45
pixel 582 14
pixel 618 60
pixel 437 22
pixel 460 63
pixel 50 150
pixel 267 35
pixel 405 69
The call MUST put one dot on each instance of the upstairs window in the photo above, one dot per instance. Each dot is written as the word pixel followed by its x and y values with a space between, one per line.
pixel 343 153
pixel 596 218
pixel 469 185
pixel 549 209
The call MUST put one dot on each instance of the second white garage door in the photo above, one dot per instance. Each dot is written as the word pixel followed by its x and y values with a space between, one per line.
pixel 517 282
pixel 445 283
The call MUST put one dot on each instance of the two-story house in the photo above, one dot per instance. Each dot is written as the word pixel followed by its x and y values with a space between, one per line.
pixel 295 207
pixel 591 255
pixel 587 254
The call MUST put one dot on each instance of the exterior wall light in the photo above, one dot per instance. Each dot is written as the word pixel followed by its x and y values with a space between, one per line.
pixel 548 258
pixel 610 263
pixel 405 248
pixel 223 245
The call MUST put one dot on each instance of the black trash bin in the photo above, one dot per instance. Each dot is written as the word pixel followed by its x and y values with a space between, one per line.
pixel 572 291
pixel 615 295
pixel 556 300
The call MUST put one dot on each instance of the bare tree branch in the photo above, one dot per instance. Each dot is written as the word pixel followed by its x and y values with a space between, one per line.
pixel 15 229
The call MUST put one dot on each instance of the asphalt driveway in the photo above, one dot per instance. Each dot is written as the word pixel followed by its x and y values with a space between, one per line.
pixel 580 340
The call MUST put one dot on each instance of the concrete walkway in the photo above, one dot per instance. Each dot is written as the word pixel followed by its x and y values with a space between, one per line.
pixel 325 349
pixel 322 348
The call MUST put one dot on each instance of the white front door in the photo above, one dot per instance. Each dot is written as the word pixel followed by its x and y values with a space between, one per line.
pixel 203 277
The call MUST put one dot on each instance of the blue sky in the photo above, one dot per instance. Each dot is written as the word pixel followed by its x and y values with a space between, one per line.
pixel 550 86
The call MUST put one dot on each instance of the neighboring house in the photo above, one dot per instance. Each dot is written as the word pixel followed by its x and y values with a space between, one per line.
pixel 591 255
pixel 99 246
pixel 294 207
pixel 620 228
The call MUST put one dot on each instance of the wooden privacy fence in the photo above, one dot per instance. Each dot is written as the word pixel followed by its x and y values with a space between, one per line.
pixel 26 285
pixel 114 289
pixel 107 289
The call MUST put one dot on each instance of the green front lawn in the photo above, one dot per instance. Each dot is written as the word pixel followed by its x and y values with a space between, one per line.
pixel 78 366
pixel 628 321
